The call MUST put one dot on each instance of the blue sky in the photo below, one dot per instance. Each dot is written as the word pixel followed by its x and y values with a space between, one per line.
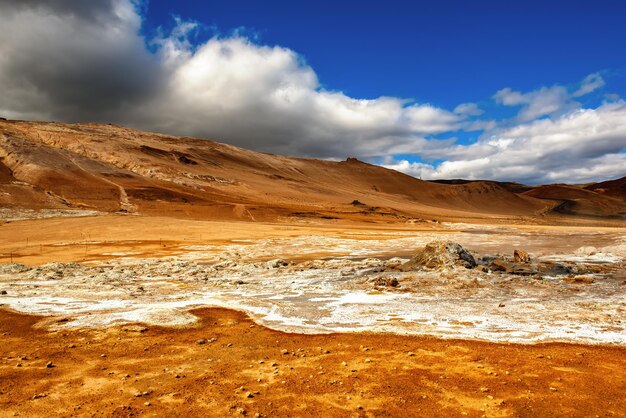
pixel 444 52
pixel 529 91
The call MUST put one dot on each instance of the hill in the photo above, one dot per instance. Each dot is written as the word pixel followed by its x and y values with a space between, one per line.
pixel 116 169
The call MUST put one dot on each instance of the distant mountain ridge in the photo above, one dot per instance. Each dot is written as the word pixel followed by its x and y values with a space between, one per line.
pixel 116 169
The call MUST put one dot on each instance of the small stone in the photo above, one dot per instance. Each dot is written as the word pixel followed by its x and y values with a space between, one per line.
pixel 3 292
pixel 410 354
pixel 147 403
pixel 71 346
pixel 343 363
pixel 553 389
pixel 229 345
pixel 249 395
pixel 50 365
pixel 201 341
pixel 39 395
pixel 484 390
pixel 242 411
pixel 103 355
pixel 284 351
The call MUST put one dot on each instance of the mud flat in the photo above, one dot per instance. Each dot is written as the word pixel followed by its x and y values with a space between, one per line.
pixel 331 283
pixel 280 320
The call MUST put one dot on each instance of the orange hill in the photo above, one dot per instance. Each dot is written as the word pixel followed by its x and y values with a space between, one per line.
pixel 117 169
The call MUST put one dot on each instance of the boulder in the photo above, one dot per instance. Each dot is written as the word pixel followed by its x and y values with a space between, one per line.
pixel 500 265
pixel 521 256
pixel 439 254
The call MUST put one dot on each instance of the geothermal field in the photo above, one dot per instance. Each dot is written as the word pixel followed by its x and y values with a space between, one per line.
pixel 143 274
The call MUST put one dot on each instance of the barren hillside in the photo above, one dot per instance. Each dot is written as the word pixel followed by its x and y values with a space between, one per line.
pixel 116 169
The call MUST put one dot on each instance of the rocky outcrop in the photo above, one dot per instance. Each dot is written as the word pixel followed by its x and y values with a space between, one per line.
pixel 440 254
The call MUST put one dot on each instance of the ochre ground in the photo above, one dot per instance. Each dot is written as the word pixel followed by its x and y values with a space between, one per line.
pixel 252 370
pixel 35 242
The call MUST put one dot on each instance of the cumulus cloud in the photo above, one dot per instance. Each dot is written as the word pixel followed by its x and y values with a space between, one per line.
pixel 72 60
pixel 75 60
pixel 582 145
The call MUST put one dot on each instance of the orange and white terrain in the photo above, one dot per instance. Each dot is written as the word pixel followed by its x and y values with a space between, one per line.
pixel 149 274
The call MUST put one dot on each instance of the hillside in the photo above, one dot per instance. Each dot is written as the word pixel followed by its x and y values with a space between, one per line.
pixel 580 201
pixel 117 169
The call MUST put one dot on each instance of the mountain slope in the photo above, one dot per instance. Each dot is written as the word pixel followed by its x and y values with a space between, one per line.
pixel 112 168
pixel 580 201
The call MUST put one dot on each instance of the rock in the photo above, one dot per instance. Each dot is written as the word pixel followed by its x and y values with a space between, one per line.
pixel 438 254
pixel 521 256
pixel 499 264
pixel 579 279
pixel 49 365
pixel 201 341
pixel 39 395
pixel 556 269
pixel 503 266
pixel 3 292
pixel 135 328
pixel 386 282
pixel 277 263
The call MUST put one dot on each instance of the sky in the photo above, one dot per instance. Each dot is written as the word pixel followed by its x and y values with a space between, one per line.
pixel 528 91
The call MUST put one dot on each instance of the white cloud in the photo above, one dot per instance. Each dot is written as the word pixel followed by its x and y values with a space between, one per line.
pixel 469 109
pixel 60 64
pixel 545 101
pixel 590 83
pixel 582 145
pixel 552 101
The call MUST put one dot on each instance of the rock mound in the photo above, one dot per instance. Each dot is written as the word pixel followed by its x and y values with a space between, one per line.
pixel 439 254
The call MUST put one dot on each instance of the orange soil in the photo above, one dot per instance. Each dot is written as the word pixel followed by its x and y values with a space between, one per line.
pixel 122 372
